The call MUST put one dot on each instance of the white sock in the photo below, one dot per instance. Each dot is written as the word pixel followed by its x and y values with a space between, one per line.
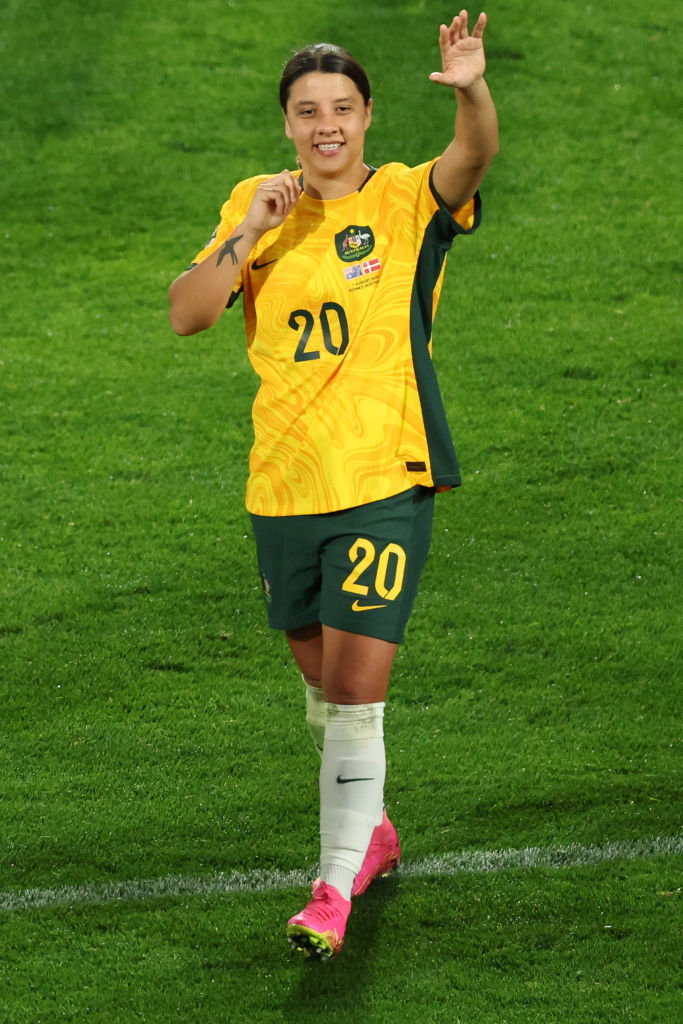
pixel 316 715
pixel 351 789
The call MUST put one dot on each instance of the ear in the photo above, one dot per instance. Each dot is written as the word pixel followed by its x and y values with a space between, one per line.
pixel 288 130
pixel 368 114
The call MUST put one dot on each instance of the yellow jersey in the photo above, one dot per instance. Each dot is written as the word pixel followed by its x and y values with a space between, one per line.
pixel 338 305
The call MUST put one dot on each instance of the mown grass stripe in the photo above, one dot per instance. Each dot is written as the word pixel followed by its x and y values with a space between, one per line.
pixel 468 862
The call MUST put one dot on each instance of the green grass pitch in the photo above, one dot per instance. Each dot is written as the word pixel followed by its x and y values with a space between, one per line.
pixel 153 744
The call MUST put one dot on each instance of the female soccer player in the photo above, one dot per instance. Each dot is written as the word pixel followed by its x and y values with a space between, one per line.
pixel 340 266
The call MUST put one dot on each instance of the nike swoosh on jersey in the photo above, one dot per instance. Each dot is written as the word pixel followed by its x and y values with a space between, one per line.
pixel 342 782
pixel 356 607
pixel 260 266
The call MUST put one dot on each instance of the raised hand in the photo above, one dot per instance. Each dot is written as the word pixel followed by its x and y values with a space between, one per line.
pixel 462 54
pixel 273 201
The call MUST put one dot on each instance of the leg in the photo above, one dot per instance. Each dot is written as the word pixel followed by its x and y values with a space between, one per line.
pixel 354 671
pixel 355 668
pixel 306 644
pixel 355 675
pixel 357 840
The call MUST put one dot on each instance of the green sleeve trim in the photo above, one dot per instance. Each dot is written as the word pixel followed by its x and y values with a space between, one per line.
pixel 458 229
pixel 438 238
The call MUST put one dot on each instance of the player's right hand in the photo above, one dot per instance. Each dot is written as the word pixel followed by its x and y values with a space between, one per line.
pixel 273 201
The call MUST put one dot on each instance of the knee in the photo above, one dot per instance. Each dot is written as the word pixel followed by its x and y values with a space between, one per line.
pixel 352 690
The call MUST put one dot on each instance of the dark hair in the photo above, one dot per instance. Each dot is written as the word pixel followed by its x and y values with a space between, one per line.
pixel 327 57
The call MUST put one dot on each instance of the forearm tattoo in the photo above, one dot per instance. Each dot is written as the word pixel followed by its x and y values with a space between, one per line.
pixel 229 250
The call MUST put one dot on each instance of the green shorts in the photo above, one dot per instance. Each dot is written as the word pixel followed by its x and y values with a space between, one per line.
pixel 356 570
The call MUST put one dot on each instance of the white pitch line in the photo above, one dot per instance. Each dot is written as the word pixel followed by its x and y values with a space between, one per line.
pixel 222 884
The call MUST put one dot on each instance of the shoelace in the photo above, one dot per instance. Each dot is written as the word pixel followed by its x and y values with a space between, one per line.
pixel 323 904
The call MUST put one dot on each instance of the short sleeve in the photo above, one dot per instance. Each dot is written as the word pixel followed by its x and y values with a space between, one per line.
pixel 232 213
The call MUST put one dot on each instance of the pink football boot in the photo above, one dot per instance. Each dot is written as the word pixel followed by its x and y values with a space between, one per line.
pixel 320 927
pixel 384 854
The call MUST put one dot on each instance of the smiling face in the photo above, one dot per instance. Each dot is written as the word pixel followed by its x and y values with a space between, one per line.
pixel 326 119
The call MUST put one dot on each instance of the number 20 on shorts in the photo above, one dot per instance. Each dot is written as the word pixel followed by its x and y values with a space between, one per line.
pixel 389 566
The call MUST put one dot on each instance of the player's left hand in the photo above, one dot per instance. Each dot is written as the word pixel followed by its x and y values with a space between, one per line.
pixel 462 54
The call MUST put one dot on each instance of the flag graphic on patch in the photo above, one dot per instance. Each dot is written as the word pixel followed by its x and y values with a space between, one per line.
pixel 371 266
pixel 358 269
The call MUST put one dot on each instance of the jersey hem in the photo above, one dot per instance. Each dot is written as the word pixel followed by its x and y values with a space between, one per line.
pixel 343 508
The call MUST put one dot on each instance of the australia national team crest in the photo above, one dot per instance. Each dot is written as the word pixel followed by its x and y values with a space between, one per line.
pixel 354 243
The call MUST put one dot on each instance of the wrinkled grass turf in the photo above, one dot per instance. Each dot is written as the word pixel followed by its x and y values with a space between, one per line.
pixel 152 724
